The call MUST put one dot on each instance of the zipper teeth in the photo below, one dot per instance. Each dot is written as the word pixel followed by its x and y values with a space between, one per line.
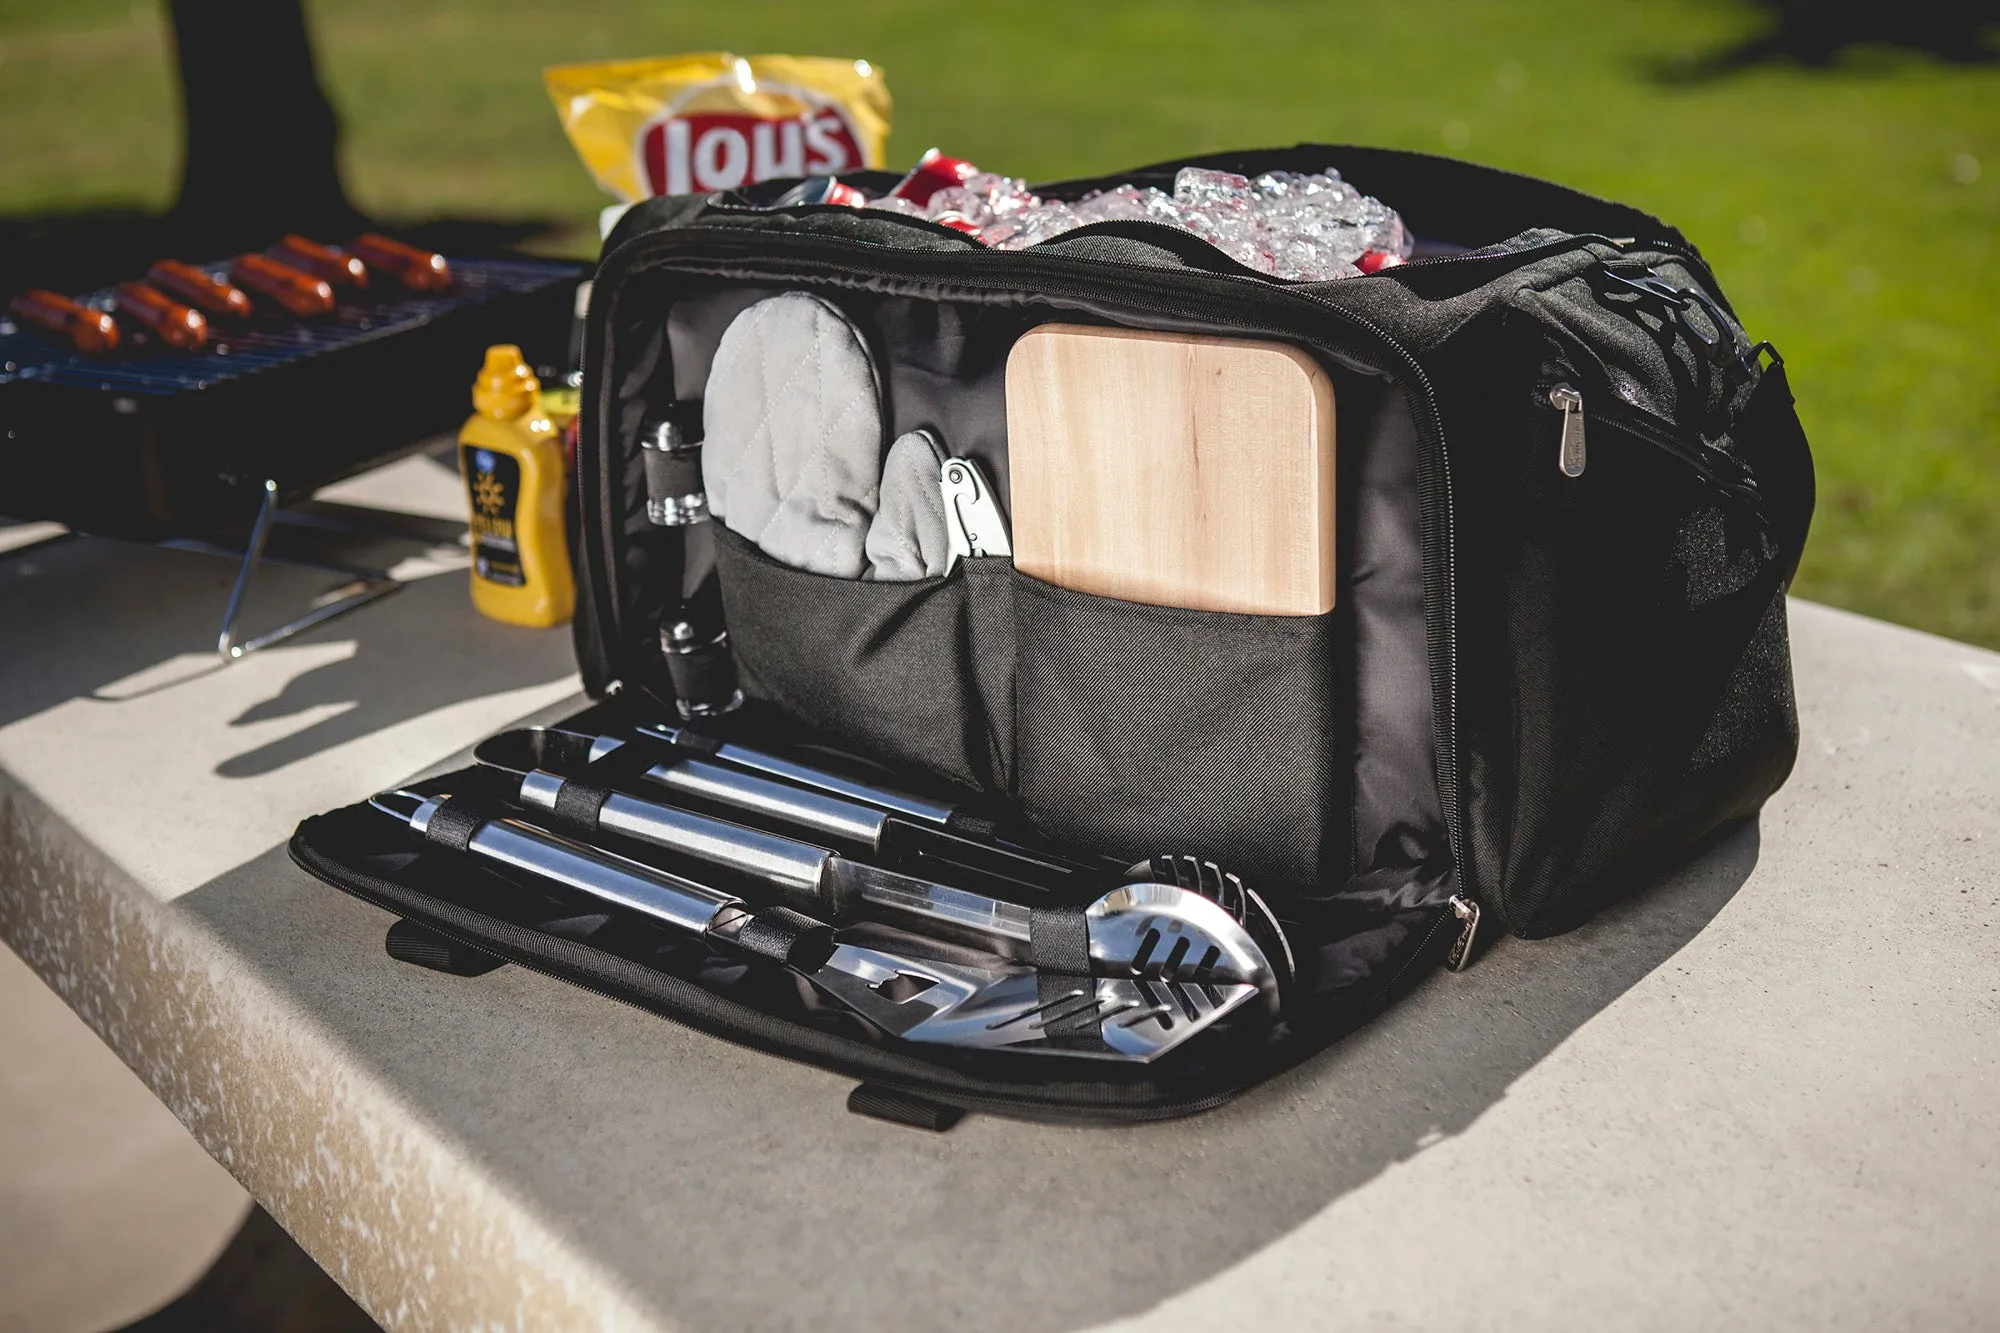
pixel 1062 274
pixel 592 484
pixel 1142 228
pixel 1644 427
pixel 1423 947
pixel 1642 424
pixel 1448 798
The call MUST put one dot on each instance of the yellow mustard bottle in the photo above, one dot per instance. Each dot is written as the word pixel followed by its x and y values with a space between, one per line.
pixel 510 456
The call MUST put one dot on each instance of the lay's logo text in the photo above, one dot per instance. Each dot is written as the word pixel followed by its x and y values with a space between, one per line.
pixel 682 154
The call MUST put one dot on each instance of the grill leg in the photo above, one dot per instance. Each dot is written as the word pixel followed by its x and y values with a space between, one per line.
pixel 366 586
pixel 260 532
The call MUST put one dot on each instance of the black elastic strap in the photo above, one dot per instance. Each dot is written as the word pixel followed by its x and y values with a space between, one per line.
pixel 695 742
pixel 624 764
pixel 903 1108
pixel 577 806
pixel 453 823
pixel 1059 940
pixel 785 936
pixel 704 675
pixel 1059 947
pixel 971 826
pixel 672 473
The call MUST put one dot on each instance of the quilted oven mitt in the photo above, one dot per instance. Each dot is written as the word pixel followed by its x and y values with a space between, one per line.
pixel 908 539
pixel 792 434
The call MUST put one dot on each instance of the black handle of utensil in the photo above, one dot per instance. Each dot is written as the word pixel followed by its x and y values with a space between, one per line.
pixel 810 878
pixel 688 771
pixel 777 933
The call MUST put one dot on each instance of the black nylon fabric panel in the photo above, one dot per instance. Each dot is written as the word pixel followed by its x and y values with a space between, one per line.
pixel 717 989
pixel 880 1103
pixel 1608 653
pixel 1145 730
pixel 420 946
pixel 883 667
pixel 1399 839
pixel 1625 680
pixel 1773 444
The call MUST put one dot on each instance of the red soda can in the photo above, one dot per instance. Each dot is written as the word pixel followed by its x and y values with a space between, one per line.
pixel 933 172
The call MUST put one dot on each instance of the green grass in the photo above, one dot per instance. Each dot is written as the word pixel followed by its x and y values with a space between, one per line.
pixel 1829 202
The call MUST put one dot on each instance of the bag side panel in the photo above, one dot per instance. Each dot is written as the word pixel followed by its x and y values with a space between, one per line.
pixel 1625 672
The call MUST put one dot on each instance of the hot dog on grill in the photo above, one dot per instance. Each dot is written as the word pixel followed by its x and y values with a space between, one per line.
pixel 87 330
pixel 418 270
pixel 172 323
pixel 324 263
pixel 197 288
pixel 301 293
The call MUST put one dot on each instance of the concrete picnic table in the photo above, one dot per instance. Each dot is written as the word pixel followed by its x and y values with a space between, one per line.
pixel 1764 1093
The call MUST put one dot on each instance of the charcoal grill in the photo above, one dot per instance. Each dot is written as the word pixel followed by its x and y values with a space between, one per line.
pixel 149 444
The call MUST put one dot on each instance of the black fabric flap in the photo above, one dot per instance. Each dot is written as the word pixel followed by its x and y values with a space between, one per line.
pixel 456 909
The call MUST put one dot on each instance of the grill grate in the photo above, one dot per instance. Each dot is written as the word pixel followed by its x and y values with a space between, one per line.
pixel 239 349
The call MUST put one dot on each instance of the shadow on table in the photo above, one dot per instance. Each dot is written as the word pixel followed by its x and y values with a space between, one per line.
pixel 480 658
pixel 132 626
pixel 615 1121
pixel 262 1283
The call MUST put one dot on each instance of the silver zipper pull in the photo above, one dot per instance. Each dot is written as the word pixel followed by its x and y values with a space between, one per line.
pixel 1467 911
pixel 1570 403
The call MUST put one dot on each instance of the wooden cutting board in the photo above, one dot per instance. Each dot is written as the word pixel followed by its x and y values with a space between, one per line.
pixel 1172 469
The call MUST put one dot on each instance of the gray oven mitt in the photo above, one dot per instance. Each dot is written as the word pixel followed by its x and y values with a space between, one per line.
pixel 908 541
pixel 791 453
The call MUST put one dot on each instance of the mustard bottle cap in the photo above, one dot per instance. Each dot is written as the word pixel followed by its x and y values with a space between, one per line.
pixel 506 388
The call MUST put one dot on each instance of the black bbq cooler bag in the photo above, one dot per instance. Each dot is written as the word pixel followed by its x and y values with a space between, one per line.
pixel 1547 677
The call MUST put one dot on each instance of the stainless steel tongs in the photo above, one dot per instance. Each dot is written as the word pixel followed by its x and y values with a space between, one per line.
pixel 1159 931
pixel 1003 1005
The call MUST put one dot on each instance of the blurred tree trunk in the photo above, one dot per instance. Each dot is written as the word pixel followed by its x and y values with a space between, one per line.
pixel 262 142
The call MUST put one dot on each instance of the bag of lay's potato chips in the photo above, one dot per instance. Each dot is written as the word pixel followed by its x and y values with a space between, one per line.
pixel 716 121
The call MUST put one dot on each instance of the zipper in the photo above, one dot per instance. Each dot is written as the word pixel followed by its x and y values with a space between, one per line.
pixel 1467 912
pixel 1713 466
pixel 1569 449
pixel 792 257
pixel 1437 518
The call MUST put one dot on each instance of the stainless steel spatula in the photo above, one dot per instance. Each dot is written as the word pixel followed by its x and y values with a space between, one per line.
pixel 915 999
pixel 1145 931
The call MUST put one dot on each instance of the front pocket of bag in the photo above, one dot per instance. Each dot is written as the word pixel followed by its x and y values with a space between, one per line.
pixel 1145 729
pixel 885 669
pixel 1646 661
